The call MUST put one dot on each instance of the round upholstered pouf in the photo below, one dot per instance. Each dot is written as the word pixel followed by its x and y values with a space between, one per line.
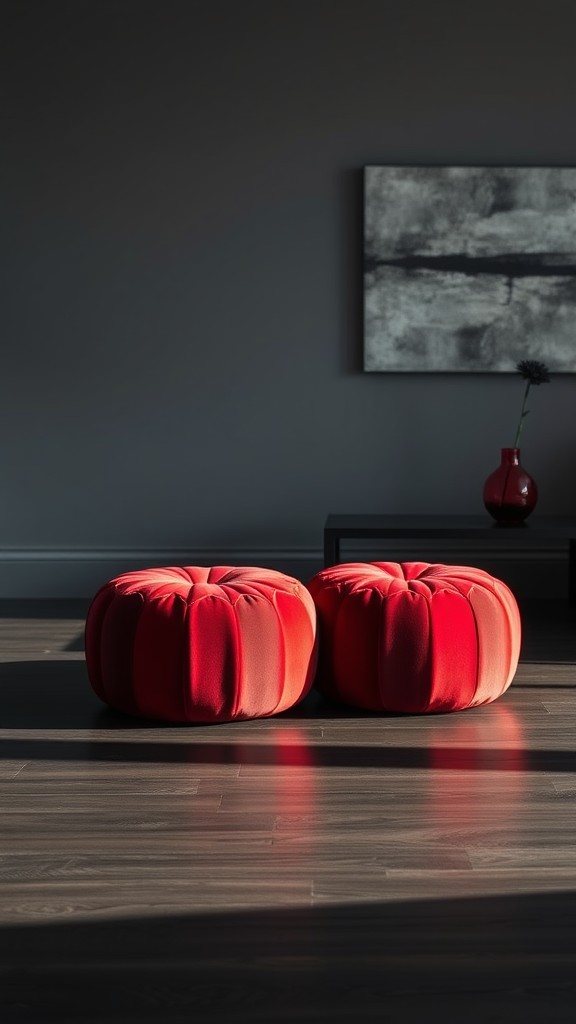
pixel 414 637
pixel 199 644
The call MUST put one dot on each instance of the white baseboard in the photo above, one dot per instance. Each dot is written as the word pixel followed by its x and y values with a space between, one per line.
pixel 78 573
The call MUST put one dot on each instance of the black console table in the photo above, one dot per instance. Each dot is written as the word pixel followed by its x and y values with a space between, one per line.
pixel 537 530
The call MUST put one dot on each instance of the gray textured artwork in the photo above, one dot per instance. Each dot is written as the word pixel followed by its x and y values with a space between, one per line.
pixel 469 269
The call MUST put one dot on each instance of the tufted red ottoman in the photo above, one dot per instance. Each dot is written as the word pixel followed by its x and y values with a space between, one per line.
pixel 414 637
pixel 201 644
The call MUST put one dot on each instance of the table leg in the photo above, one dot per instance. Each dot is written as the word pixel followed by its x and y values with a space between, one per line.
pixel 331 548
pixel 572 572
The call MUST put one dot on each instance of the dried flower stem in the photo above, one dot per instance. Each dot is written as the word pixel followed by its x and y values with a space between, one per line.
pixel 533 372
pixel 523 414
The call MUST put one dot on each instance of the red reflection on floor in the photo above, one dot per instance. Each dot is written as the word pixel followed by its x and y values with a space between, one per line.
pixel 468 762
pixel 295 782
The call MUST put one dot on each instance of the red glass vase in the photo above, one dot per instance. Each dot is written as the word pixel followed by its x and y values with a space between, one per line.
pixel 510 493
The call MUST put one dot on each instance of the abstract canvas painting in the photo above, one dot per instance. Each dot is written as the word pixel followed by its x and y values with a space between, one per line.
pixel 469 269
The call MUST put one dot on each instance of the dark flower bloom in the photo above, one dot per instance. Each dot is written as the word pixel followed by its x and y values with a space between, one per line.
pixel 534 371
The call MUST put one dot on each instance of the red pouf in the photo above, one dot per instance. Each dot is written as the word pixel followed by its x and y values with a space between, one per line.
pixel 414 637
pixel 196 644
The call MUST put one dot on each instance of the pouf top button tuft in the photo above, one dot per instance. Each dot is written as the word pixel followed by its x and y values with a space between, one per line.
pixel 192 582
pixel 201 644
pixel 413 636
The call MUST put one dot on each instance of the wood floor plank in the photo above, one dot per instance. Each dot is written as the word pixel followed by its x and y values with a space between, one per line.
pixel 325 865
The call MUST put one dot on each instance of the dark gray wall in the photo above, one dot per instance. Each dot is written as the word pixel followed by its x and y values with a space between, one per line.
pixel 181 335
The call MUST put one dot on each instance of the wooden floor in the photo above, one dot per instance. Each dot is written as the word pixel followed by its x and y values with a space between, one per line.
pixel 325 865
